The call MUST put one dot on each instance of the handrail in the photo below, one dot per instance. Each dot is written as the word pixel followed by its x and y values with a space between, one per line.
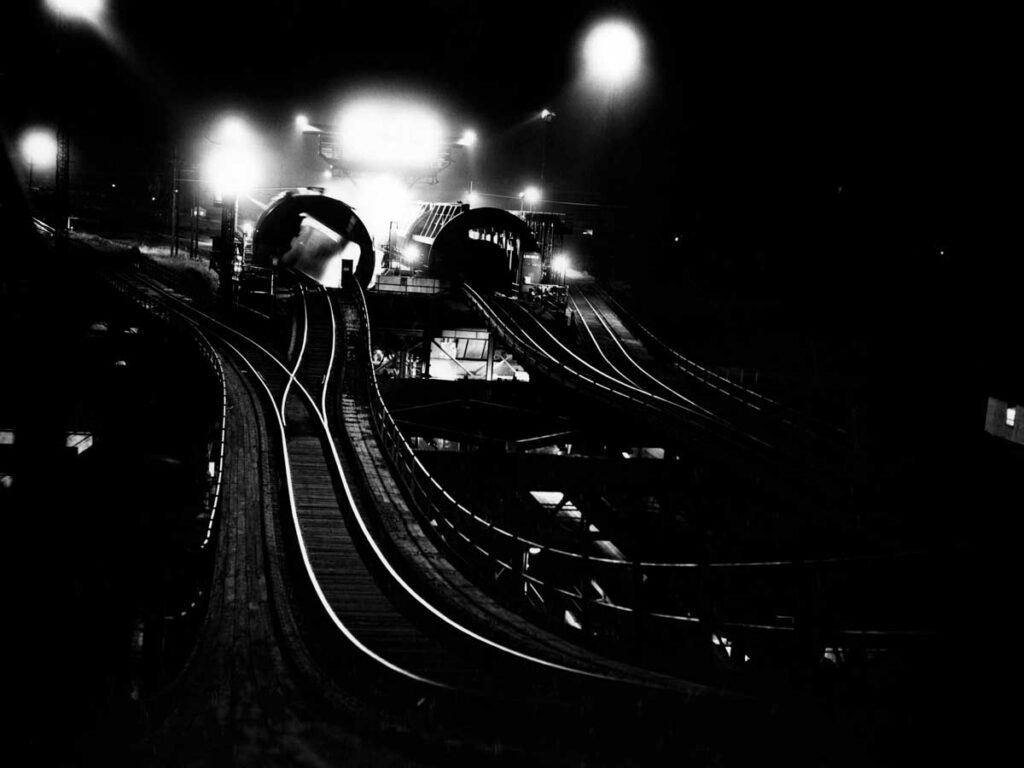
pixel 481 541
pixel 219 428
pixel 686 366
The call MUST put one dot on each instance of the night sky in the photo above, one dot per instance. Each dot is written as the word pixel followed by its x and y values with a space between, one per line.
pixel 855 142
pixel 735 109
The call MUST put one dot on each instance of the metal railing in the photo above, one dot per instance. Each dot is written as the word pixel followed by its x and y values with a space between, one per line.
pixel 217 440
pixel 710 377
pixel 607 596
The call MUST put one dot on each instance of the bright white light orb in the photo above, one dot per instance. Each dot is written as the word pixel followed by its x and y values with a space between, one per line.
pixel 39 147
pixel 232 166
pixel 474 199
pixel 468 139
pixel 232 171
pixel 87 10
pixel 301 122
pixel 531 195
pixel 390 135
pixel 612 52
pixel 560 263
pixel 412 253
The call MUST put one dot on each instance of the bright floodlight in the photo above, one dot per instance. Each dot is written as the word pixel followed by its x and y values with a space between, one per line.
pixel 301 122
pixel 232 164
pixel 390 135
pixel 547 115
pixel 468 139
pixel 474 199
pixel 560 263
pixel 531 195
pixel 231 170
pixel 412 253
pixel 612 52
pixel 87 10
pixel 39 147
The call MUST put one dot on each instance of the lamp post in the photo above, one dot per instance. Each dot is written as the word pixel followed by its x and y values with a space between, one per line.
pixel 530 195
pixel 38 147
pixel 547 116
pixel 613 58
pixel 88 12
pixel 230 167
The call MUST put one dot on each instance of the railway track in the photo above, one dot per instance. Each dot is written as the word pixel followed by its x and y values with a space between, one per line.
pixel 782 430
pixel 391 634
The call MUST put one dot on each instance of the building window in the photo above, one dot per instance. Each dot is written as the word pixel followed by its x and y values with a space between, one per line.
pixel 1011 416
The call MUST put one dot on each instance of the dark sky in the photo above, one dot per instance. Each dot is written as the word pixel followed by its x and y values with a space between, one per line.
pixel 738 116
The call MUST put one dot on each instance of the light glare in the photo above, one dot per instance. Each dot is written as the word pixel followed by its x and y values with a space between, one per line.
pixel 88 10
pixel 612 52
pixel 390 135
pixel 232 164
pixel 40 148
pixel 231 170
pixel 531 195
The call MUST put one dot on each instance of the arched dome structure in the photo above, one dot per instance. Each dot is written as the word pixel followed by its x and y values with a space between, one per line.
pixel 486 246
pixel 315 234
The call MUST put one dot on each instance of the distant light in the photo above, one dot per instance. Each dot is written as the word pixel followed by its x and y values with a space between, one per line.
pixel 612 52
pixel 113 186
pixel 247 228
pixel 560 263
pixel 390 135
pixel 302 122
pixel 468 139
pixel 87 10
pixel 547 115
pixel 1011 416
pixel 39 147
pixel 531 195
pixel 412 253
pixel 676 238
pixel 473 198
pixel 328 173
pixel 153 199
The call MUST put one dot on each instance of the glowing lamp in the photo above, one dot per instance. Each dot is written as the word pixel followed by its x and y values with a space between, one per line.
pixel 612 52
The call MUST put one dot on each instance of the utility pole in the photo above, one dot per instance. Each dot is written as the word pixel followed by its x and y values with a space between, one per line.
pixel 193 243
pixel 174 203
pixel 62 174
pixel 547 116
pixel 229 212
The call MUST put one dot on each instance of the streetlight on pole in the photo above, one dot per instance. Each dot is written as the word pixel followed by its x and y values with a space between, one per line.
pixel 88 12
pixel 531 195
pixel 613 58
pixel 39 147
pixel 547 116
pixel 231 168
